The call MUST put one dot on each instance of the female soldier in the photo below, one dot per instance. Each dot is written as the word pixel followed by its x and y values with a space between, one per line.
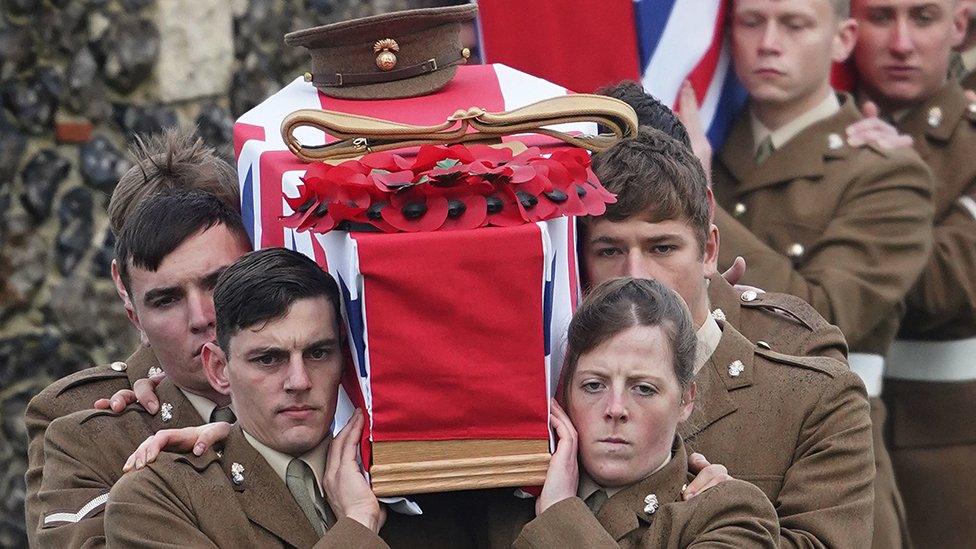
pixel 627 384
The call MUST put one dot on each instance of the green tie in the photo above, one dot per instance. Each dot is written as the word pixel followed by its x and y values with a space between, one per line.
pixel 596 500
pixel 957 69
pixel 223 413
pixel 298 477
pixel 765 149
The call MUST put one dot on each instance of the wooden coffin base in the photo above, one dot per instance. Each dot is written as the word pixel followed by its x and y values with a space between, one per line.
pixel 418 467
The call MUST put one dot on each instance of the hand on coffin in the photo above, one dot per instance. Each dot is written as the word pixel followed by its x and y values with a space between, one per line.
pixel 344 484
pixel 707 475
pixel 143 391
pixel 872 130
pixel 562 477
pixel 197 439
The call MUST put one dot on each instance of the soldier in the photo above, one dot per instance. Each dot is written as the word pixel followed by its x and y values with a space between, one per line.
pixel 169 255
pixel 902 53
pixel 280 479
pixel 176 159
pixel 846 229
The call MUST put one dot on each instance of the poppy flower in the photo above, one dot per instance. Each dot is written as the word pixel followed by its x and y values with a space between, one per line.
pixel 413 210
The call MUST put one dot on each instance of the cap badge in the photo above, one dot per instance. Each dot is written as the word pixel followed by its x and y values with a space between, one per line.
pixel 718 314
pixel 166 411
pixel 154 371
pixel 237 473
pixel 935 117
pixel 651 504
pixel 386 50
pixel 736 368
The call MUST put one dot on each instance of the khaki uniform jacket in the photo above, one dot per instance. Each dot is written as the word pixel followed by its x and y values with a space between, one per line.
pixel 847 230
pixel 732 514
pixel 942 305
pixel 780 322
pixel 84 453
pixel 73 393
pixel 796 427
pixel 189 501
pixel 969 81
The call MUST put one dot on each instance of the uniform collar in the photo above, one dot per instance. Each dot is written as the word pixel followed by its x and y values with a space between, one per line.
pixel 587 486
pixel 937 116
pixel 624 511
pixel 708 336
pixel 804 155
pixel 139 363
pixel 725 301
pixel 314 458
pixel 175 410
pixel 782 135
pixel 203 405
pixel 969 59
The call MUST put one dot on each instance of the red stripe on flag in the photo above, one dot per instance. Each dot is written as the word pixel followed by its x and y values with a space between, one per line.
pixel 703 73
pixel 478 88
pixel 273 165
pixel 579 44
pixel 244 133
pixel 453 353
pixel 319 252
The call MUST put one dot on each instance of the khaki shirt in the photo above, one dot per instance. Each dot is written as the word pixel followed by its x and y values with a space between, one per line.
pixel 84 453
pixel 942 305
pixel 798 428
pixel 72 393
pixel 845 229
pixel 732 514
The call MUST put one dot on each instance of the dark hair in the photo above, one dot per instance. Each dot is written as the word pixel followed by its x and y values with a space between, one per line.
pixel 262 285
pixel 623 303
pixel 176 159
pixel 164 221
pixel 656 177
pixel 650 111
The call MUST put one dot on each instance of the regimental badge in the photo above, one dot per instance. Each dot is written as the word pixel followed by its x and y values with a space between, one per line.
pixel 835 141
pixel 154 371
pixel 166 411
pixel 650 504
pixel 935 117
pixel 386 50
pixel 718 314
pixel 237 473
pixel 736 368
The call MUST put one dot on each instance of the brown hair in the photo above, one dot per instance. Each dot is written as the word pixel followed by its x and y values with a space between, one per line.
pixel 623 303
pixel 656 177
pixel 175 159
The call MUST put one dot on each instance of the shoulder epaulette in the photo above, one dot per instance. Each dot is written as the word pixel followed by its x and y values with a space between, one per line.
pixel 821 364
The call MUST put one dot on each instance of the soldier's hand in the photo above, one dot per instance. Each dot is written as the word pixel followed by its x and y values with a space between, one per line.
pixel 562 478
pixel 690 116
pixel 143 391
pixel 873 130
pixel 734 274
pixel 197 439
pixel 345 485
pixel 707 475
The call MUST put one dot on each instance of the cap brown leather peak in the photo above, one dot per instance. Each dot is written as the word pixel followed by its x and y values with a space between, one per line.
pixel 401 54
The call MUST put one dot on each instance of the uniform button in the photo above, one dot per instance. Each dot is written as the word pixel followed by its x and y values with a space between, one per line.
pixel 835 141
pixel 763 344
pixel 739 209
pixel 119 366
pixel 749 295
pixel 796 250
pixel 935 117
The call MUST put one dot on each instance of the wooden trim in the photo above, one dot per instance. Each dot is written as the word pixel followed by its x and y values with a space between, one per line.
pixel 401 468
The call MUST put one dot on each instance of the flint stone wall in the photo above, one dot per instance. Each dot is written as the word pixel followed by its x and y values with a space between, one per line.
pixel 77 79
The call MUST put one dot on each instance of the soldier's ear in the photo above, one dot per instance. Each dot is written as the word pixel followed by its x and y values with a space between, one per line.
pixel 688 401
pixel 844 40
pixel 710 253
pixel 215 367
pixel 127 301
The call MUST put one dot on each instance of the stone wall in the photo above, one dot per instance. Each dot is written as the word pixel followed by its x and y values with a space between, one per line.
pixel 77 79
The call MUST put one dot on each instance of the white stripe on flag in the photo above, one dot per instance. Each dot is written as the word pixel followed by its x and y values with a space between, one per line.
pixel 683 43
pixel 270 112
pixel 520 89
pixel 710 104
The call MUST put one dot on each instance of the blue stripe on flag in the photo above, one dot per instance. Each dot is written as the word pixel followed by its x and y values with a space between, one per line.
pixel 354 315
pixel 247 203
pixel 547 296
pixel 730 102
pixel 651 17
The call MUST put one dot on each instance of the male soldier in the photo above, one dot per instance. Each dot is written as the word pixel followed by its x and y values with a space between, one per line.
pixel 278 358
pixel 176 159
pixel 169 255
pixel 964 67
pixel 902 52
pixel 845 229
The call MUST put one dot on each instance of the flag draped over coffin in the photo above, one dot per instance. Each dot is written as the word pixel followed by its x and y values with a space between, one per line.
pixel 431 316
